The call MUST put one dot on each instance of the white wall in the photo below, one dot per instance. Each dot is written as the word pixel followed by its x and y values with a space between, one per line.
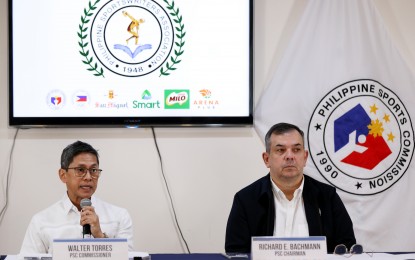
pixel 204 166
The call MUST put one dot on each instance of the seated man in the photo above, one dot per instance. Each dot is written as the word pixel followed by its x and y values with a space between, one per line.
pixel 65 219
pixel 287 203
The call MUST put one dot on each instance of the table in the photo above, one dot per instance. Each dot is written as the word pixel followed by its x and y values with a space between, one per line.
pixel 218 256
pixel 188 257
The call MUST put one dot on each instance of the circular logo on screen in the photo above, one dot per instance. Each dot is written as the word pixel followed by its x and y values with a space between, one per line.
pixel 55 99
pixel 361 137
pixel 132 38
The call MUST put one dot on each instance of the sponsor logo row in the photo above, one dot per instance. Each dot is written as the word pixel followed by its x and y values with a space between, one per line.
pixel 172 99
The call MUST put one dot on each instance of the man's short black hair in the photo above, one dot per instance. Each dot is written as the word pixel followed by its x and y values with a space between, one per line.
pixel 73 150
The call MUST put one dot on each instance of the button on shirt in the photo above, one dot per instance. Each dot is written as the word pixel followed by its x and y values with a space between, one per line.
pixel 290 218
pixel 61 220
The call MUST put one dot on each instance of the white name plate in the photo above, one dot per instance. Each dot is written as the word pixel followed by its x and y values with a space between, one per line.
pixel 90 249
pixel 305 248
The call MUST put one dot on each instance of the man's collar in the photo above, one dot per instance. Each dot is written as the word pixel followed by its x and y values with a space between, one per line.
pixel 68 206
pixel 280 193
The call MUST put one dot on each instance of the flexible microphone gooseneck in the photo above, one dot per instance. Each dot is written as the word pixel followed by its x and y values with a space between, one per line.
pixel 86 228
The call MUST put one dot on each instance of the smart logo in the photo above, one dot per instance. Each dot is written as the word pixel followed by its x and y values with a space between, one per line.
pixel 146 103
pixel 176 99
pixel 360 137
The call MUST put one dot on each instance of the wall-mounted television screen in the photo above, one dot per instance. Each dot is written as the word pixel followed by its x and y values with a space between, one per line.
pixel 130 63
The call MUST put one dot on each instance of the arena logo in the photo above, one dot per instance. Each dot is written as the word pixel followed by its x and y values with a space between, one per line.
pixel 131 38
pixel 361 138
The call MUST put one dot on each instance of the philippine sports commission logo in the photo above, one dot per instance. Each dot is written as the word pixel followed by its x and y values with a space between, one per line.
pixel 361 138
pixel 131 38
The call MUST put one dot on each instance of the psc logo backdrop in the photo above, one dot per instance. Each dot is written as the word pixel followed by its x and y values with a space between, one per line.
pixel 361 138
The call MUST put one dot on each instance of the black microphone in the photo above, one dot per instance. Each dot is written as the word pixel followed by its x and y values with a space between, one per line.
pixel 86 227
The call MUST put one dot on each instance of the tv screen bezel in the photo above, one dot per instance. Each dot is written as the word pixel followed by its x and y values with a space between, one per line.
pixel 159 121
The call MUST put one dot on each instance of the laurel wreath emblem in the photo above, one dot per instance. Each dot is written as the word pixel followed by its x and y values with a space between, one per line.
pixel 179 44
pixel 83 43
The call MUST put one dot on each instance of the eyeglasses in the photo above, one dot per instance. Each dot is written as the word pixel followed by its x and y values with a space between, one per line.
pixel 81 172
pixel 356 249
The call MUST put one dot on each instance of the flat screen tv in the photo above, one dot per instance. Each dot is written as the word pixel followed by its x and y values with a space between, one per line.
pixel 130 63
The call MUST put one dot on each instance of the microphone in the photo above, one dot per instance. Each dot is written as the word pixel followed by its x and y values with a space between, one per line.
pixel 86 227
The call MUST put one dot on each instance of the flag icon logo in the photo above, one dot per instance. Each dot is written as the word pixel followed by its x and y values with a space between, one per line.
pixel 360 137
pixel 82 99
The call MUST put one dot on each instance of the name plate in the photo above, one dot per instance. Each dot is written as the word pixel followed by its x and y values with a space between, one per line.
pixel 307 248
pixel 90 249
